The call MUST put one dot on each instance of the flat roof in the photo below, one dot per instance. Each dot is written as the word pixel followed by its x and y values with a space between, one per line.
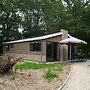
pixel 35 38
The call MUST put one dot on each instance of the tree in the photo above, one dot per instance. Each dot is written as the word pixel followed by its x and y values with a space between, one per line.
pixel 78 14
pixel 54 15
pixel 40 17
pixel 32 22
pixel 9 21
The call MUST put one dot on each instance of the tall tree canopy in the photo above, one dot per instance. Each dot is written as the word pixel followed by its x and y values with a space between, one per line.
pixel 40 17
pixel 9 21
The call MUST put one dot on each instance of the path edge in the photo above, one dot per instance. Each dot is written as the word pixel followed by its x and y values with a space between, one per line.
pixel 61 87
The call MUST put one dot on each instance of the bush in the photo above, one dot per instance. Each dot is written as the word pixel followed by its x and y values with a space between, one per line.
pixel 49 75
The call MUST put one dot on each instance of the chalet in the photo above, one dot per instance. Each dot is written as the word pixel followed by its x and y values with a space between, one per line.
pixel 43 48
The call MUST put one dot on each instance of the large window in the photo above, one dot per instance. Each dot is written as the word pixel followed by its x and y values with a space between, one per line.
pixel 35 46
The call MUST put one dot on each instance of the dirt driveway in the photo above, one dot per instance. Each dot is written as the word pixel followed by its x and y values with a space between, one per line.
pixel 80 77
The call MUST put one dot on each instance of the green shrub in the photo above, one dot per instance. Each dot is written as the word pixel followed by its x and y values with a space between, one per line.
pixel 49 75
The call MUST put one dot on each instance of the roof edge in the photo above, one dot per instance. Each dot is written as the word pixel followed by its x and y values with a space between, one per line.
pixel 35 38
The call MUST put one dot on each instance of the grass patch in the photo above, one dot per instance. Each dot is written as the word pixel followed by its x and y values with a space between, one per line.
pixel 32 65
pixel 29 65
pixel 49 75
pixel 52 68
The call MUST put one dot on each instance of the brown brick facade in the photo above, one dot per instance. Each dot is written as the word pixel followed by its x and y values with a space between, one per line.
pixel 22 49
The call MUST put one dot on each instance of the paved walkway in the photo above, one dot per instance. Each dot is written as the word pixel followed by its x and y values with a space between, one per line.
pixel 80 77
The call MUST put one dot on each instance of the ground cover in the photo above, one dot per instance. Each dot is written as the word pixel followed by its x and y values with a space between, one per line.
pixel 35 76
pixel 52 69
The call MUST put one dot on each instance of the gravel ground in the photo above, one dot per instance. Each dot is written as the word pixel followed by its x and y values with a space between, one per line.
pixel 32 80
pixel 80 77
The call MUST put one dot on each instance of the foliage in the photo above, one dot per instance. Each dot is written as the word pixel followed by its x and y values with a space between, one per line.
pixel 49 75
pixel 40 17
pixel 9 21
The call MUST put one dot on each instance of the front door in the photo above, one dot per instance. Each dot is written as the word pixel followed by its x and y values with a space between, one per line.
pixel 52 51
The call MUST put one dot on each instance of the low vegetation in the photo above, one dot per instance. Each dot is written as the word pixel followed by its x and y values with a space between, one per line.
pixel 49 75
pixel 33 65
pixel 52 69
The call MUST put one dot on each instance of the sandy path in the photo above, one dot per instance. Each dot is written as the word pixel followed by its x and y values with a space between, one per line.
pixel 80 77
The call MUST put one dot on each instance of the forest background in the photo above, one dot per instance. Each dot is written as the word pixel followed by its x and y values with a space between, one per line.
pixel 21 19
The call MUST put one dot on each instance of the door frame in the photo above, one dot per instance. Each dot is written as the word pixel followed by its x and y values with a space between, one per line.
pixel 52 58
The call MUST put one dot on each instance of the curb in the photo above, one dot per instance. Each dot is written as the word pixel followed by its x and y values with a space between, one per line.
pixel 60 88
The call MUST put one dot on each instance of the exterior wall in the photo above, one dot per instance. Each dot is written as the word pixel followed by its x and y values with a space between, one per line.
pixel 23 49
pixel 63 47
pixel 43 51
pixel 28 56
pixel 55 39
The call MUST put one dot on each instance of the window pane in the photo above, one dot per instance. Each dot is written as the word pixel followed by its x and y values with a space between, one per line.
pixel 31 46
pixel 11 45
pixel 35 46
pixel 38 46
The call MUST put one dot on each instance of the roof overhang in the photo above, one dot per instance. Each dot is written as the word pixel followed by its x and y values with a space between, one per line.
pixel 72 40
pixel 35 38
